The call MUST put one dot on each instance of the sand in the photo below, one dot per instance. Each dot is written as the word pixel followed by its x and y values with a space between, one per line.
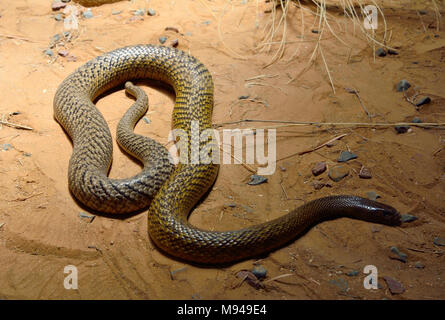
pixel 41 231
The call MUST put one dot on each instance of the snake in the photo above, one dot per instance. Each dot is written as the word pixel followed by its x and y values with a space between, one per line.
pixel 171 192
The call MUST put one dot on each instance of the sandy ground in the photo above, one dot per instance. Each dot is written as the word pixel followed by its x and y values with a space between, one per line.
pixel 41 231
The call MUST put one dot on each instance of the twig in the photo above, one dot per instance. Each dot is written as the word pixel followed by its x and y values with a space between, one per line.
pixel 15 125
pixel 313 149
pixel 353 91
pixel 278 277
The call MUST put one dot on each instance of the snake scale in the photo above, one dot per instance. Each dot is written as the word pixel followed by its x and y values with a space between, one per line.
pixel 175 190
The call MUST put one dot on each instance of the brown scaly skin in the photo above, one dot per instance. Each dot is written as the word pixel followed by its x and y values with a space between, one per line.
pixel 175 198
pixel 94 3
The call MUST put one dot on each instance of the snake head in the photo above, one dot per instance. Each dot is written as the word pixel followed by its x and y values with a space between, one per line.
pixel 377 212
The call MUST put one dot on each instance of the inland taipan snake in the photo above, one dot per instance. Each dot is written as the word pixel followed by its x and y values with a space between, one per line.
pixel 175 190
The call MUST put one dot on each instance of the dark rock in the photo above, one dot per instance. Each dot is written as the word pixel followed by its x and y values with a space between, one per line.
pixel 424 100
pixel 256 179
pixel 259 271
pixel 392 52
pixel 230 205
pixel 162 40
pixel 352 273
pixel 62 52
pixel 403 85
pixel 174 43
pixel 394 286
pixel 338 172
pixel 83 215
pixel 400 255
pixel 151 12
pixel 244 97
pixel 401 129
pixel 314 31
pixel 318 184
pixel 381 52
pixel 438 241
pixel 365 173
pixel 346 156
pixel 419 265
pixel 423 12
pixel 319 168
pixel 416 120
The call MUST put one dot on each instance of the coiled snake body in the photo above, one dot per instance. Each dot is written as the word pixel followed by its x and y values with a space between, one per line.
pixel 175 190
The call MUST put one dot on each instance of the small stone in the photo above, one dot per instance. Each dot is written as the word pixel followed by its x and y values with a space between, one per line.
pixel 230 205
pixel 381 52
pixel 423 12
pixel 424 100
pixel 139 12
pixel 63 52
pixel 401 129
pixel 146 120
pixel 83 215
pixel 58 17
pixel 338 172
pixel 116 12
pixel 57 5
pixel 394 286
pixel 314 31
pixel 392 52
pixel 250 278
pixel 48 52
pixel 244 97
pixel 438 241
pixel 352 273
pixel 319 168
pixel 27 154
pixel 207 22
pixel 372 195
pixel 318 184
pixel 162 40
pixel 259 271
pixel 6 146
pixel 66 1
pixel 365 173
pixel 419 265
pixel 408 218
pixel 282 168
pixel 174 43
pixel 111 243
pixel 55 38
pixel 416 120
pixel 256 179
pixel 151 12
pixel 403 85
pixel 88 14
pixel 346 156
pixel 401 256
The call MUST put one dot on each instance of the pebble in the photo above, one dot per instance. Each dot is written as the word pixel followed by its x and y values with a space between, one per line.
pixel 419 265
pixel 394 286
pixel 408 218
pixel 424 100
pixel 151 12
pixel 57 5
pixel 207 22
pixel 403 85
pixel 27 154
pixel 340 284
pixel 62 52
pixel 230 205
pixel 58 17
pixel 282 168
pixel 146 120
pixel 116 12
pixel 162 40
pixel 174 43
pixel 381 52
pixel 401 256
pixel 259 271
pixel 244 97
pixel 372 195
pixel 423 12
pixel 318 184
pixel 365 173
pixel 250 278
pixel 319 168
pixel 256 179
pixel 48 52
pixel 87 14
pixel 338 172
pixel 346 156
pixel 401 129
pixel 392 52
pixel 438 241
pixel 416 120
pixel 86 216
pixel 139 12
pixel 352 273
pixel 6 146
pixel 66 1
